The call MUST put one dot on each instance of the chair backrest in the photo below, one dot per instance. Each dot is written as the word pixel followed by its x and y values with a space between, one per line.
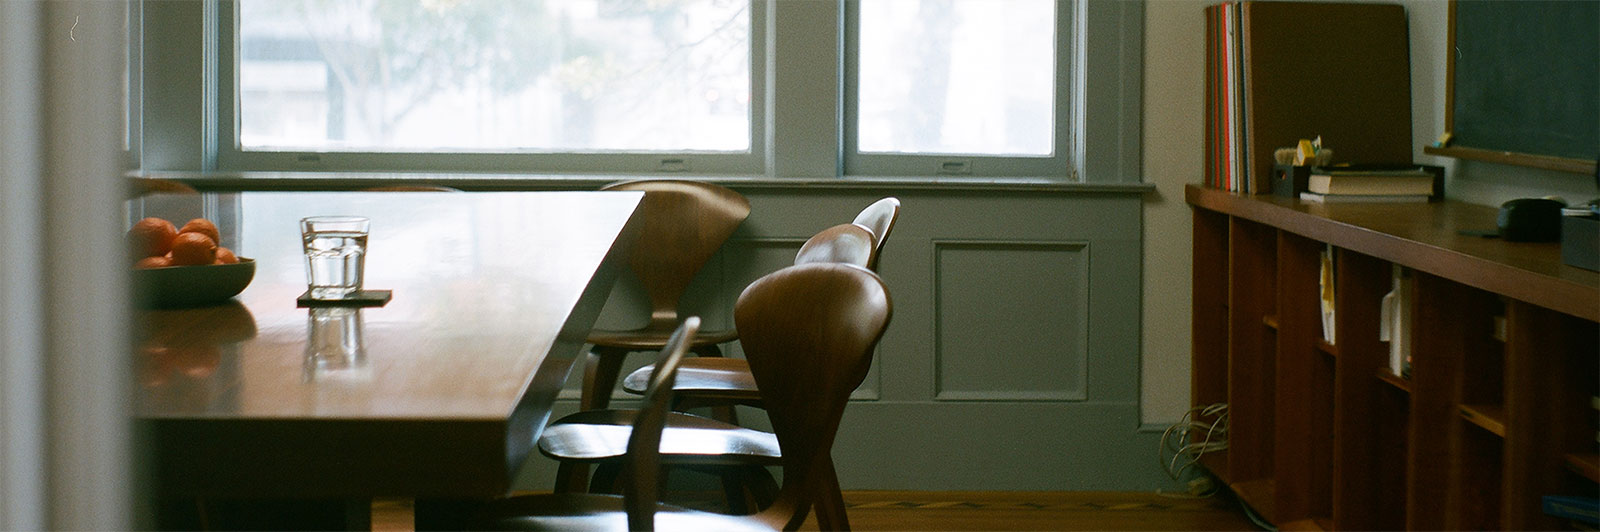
pixel 808 332
pixel 879 217
pixel 643 467
pixel 684 223
pixel 847 243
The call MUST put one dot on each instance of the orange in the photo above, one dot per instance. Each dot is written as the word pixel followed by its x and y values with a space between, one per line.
pixel 226 256
pixel 193 248
pixel 204 227
pixel 151 237
pixel 160 261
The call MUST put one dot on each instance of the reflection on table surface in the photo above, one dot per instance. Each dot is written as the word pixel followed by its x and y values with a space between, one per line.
pixel 492 293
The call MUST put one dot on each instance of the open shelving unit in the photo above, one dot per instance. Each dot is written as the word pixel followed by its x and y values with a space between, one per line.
pixel 1494 414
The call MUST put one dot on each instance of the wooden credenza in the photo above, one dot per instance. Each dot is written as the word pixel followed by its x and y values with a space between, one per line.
pixel 1497 410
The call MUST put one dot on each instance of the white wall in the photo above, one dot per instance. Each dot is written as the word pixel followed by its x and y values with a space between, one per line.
pixel 1174 94
pixel 1173 120
pixel 65 457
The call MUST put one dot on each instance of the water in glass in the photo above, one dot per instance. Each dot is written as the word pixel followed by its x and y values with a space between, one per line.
pixel 334 262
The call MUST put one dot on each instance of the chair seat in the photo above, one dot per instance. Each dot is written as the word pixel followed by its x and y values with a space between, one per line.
pixel 578 511
pixel 600 435
pixel 650 339
pixel 725 379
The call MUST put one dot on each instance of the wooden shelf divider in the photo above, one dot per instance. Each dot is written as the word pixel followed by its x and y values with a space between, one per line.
pixel 1260 494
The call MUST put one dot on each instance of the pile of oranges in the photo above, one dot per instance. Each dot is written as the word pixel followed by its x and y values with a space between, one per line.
pixel 157 243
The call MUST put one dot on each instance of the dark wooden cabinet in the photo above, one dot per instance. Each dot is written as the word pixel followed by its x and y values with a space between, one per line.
pixel 1496 411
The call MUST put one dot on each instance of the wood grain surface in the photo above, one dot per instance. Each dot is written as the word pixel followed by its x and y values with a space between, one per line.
pixel 492 294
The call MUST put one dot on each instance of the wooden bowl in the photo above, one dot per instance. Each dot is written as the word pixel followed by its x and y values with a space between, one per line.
pixel 192 286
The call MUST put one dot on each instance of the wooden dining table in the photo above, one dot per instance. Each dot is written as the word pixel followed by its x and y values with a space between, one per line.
pixel 444 391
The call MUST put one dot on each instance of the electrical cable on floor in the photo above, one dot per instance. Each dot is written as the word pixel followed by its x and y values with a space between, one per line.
pixel 1177 440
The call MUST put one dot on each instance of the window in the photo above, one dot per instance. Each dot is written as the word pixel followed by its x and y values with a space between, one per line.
pixel 940 84
pixel 816 88
pixel 376 80
pixel 462 75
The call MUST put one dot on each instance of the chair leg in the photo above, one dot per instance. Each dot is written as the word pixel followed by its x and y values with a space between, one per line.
pixel 600 369
pixel 606 476
pixel 829 501
pixel 763 488
pixel 600 377
pixel 572 477
pixel 733 490
pixel 723 413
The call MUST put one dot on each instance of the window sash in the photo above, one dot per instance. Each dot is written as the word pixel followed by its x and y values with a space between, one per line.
pixel 1056 165
pixel 230 156
pixel 799 118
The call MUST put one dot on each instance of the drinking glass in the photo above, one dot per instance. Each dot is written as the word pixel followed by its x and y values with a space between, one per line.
pixel 336 254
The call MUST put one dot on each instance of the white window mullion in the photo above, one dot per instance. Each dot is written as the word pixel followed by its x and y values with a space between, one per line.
pixel 804 86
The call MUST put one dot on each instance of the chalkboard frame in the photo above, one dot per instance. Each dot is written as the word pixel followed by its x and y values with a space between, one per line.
pixel 1549 162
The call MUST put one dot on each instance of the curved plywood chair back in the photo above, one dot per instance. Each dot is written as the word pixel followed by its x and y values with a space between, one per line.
pixel 808 332
pixel 846 243
pixel 879 217
pixel 684 224
pixel 644 442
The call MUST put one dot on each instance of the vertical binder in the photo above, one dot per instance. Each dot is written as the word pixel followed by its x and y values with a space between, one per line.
pixel 1341 71
pixel 1278 72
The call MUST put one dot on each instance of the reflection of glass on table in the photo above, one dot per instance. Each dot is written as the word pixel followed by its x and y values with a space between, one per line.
pixel 334 348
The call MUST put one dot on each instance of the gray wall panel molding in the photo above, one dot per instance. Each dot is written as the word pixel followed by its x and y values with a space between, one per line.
pixel 1010 320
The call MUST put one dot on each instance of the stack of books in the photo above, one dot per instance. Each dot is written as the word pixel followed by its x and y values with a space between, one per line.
pixel 1369 185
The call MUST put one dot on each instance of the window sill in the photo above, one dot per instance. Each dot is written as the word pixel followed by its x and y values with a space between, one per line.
pixel 233 181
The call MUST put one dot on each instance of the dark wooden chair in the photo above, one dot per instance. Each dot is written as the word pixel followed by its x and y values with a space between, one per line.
pixel 720 381
pixel 684 223
pixel 716 381
pixel 809 332
pixel 638 508
pixel 845 243
pixel 879 217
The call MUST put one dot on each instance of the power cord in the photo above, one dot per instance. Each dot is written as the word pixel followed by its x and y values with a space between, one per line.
pixel 1183 441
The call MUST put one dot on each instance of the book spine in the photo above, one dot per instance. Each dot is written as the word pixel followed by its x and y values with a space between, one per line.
pixel 1247 171
pixel 1212 172
pixel 1231 98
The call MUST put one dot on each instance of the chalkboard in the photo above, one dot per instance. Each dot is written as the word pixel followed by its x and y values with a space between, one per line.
pixel 1526 77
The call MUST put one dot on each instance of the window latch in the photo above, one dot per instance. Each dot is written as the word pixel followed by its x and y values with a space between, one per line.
pixel 960 167
pixel 673 165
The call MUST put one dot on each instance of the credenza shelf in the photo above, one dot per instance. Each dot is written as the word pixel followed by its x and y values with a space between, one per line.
pixel 1400 383
pixel 1488 417
pixel 1494 412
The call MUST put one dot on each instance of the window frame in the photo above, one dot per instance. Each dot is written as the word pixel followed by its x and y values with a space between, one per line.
pixel 230 156
pixel 1058 163
pixel 798 111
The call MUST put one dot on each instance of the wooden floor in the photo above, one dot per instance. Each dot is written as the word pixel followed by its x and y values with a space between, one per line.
pixel 993 511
